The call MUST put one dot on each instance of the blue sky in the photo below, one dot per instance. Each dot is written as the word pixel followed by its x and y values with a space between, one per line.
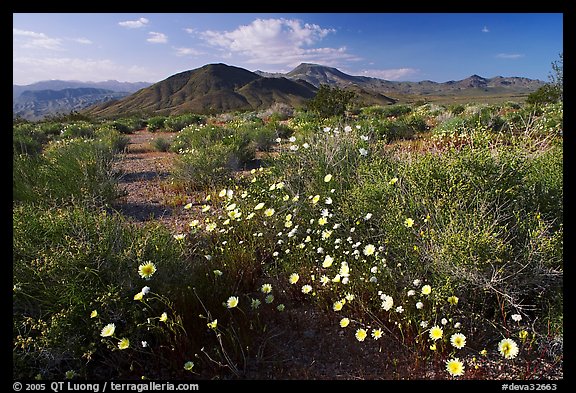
pixel 406 47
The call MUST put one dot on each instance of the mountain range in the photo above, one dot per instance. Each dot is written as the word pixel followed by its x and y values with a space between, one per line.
pixel 317 74
pixel 216 88
pixel 53 97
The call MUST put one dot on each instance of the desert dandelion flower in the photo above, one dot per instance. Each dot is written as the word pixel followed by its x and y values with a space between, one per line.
pixel 337 306
pixel 408 222
pixel 163 317
pixel 436 332
pixel 232 302
pixel 124 343
pixel 294 277
pixel 458 340
pixel 361 334
pixel 327 178
pixel 455 367
pixel 94 314
pixel 369 250
pixel 508 348
pixel 146 270
pixel 108 330
pixel 266 288
pixel 426 289
pixel 376 333
pixel 269 212
pixel 344 322
pixel 306 289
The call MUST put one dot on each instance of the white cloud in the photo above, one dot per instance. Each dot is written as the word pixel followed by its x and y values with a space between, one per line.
pixel 157 38
pixel 512 56
pixel 278 41
pixel 393 74
pixel 84 41
pixel 33 69
pixel 34 40
pixel 485 30
pixel 134 24
pixel 187 52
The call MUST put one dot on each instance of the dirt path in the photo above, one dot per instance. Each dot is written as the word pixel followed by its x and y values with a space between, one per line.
pixel 145 186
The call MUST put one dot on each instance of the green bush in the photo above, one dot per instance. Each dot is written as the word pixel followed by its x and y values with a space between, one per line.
pixel 330 101
pixel 547 94
pixel 178 122
pixel 50 128
pixel 156 123
pixel 67 171
pixel 27 139
pixel 161 144
pixel 205 168
pixel 79 129
pixel 66 293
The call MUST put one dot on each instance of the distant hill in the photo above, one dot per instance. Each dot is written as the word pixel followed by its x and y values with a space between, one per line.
pixel 125 87
pixel 37 104
pixel 317 74
pixel 45 98
pixel 210 89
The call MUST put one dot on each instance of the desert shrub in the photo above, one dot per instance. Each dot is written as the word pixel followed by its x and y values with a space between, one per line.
pixel 156 123
pixel 457 109
pixel 50 128
pixel 472 217
pixel 401 128
pixel 114 140
pixel 80 129
pixel 178 122
pixel 126 125
pixel 205 168
pixel 277 112
pixel 161 144
pixel 68 170
pixel 330 101
pixel 27 139
pixel 264 137
pixel 84 280
pixel 547 94
pixel 452 126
